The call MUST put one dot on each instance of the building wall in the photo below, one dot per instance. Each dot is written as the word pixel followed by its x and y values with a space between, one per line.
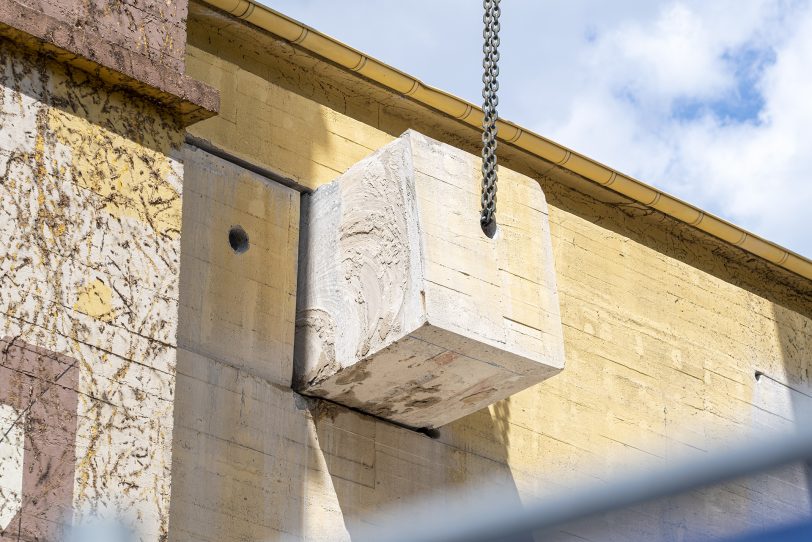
pixel 660 354
pixel 146 365
pixel 90 217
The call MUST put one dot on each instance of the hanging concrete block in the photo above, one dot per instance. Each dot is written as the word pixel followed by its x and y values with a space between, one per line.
pixel 406 309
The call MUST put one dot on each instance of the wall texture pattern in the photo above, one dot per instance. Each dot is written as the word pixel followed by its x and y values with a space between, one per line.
pixel 138 44
pixel 90 209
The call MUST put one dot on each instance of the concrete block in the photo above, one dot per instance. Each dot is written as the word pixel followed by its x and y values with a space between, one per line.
pixel 406 309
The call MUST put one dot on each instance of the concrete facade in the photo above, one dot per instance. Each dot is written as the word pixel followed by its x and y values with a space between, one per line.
pixel 123 302
pixel 662 335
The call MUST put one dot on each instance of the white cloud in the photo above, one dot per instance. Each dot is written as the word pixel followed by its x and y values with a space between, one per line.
pixel 707 100
pixel 667 59
pixel 754 169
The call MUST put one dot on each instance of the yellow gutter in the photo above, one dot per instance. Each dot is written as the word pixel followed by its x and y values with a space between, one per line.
pixel 355 61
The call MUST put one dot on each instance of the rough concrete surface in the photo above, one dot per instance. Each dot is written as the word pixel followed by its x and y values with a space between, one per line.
pixel 90 215
pixel 663 330
pixel 662 333
pixel 405 308
pixel 137 44
pixel 238 306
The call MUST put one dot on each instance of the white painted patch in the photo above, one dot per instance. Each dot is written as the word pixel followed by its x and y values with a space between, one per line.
pixel 11 463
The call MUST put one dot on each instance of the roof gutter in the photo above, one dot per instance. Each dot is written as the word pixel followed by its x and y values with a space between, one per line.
pixel 405 85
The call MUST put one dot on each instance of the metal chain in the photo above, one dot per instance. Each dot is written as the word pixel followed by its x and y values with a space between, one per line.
pixel 491 71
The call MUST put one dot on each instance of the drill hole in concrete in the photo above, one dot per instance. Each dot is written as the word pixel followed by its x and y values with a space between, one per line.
pixel 758 375
pixel 238 239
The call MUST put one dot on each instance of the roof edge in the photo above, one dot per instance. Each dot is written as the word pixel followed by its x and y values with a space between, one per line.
pixel 355 61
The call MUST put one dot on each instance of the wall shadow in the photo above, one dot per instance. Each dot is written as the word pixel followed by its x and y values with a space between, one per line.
pixel 240 442
pixel 244 466
pixel 794 333
pixel 239 456
pixel 377 467
pixel 78 93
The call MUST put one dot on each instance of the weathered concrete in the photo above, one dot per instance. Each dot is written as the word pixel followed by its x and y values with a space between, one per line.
pixel 135 44
pixel 662 334
pixel 241 306
pixel 90 217
pixel 406 309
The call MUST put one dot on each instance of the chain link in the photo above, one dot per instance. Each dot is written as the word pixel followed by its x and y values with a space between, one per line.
pixel 490 48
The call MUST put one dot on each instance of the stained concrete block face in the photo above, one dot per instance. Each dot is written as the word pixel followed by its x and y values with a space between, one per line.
pixel 406 309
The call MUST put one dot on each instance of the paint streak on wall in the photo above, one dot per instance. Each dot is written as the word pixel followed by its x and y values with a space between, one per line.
pixel 90 199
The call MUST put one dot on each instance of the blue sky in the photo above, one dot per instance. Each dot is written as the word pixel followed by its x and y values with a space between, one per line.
pixel 707 100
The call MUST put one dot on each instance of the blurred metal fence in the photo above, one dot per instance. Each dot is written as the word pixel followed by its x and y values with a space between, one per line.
pixel 489 517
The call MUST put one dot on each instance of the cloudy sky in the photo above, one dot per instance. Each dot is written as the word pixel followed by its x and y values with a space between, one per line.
pixel 710 100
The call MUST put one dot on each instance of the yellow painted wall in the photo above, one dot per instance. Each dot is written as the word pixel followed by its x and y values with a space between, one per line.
pixel 660 360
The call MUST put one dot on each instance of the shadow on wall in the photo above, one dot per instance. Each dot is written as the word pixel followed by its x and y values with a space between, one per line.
pixel 240 456
pixel 240 443
pixel 376 467
pixel 252 460
pixel 71 91
pixel 794 332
